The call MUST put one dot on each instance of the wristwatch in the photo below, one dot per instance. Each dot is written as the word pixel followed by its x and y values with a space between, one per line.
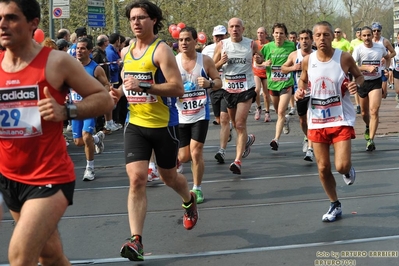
pixel 145 86
pixel 211 84
pixel 71 110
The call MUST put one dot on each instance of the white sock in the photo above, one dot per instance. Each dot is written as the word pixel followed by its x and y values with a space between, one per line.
pixel 196 187
pixel 90 164
pixel 110 122
pixel 152 165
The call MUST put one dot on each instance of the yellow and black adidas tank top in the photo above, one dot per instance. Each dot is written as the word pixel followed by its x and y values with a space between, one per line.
pixel 145 109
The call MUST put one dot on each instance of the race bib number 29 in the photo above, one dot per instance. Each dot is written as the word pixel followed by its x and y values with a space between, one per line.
pixel 19 113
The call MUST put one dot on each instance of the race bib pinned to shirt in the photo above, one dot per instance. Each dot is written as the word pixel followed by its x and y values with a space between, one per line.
pixel 19 112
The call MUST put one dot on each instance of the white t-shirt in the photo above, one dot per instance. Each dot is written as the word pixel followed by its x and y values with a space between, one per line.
pixel 370 56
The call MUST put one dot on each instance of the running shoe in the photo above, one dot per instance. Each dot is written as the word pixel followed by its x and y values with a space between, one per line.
pixel 258 112
pixel 118 126
pixel 250 141
pixel 305 144
pixel 274 144
pixel 69 128
pixel 190 216
pixel 230 137
pixel 370 145
pixel 106 131
pixel 367 134
pixel 333 213
pixel 358 111
pixel 199 195
pixel 111 127
pixel 66 140
pixel 267 118
pixel 153 175
pixel 219 156
pixel 99 147
pixel 292 111
pixel 286 127
pixel 89 174
pixel 179 167
pixel 309 155
pixel 235 167
pixel 350 177
pixel 133 249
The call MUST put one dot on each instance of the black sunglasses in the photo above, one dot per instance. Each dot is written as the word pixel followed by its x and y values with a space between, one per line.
pixel 376 30
pixel 337 31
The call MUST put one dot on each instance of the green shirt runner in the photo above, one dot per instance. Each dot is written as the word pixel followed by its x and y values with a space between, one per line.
pixel 276 80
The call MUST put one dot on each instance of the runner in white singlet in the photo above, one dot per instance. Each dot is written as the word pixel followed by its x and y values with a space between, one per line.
pixel 331 116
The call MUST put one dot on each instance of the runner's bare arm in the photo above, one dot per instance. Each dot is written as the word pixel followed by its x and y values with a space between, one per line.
pixel 100 75
pixel 289 65
pixel 63 71
pixel 303 80
pixel 257 54
pixel 218 58
pixel 165 59
pixel 349 65
pixel 213 74
pixel 390 48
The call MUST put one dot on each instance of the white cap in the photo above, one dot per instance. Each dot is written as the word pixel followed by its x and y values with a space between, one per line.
pixel 219 30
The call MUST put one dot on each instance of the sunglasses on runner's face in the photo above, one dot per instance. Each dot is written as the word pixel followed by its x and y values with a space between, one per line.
pixel 337 32
pixel 376 30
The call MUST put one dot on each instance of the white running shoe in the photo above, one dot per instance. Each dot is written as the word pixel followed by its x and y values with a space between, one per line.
pixel 286 128
pixel 258 112
pixel 267 118
pixel 292 111
pixel 248 144
pixel 119 126
pixel 219 156
pixel 89 174
pixel 69 128
pixel 309 155
pixel 179 167
pixel 333 213
pixel 111 127
pixel 99 147
pixel 153 175
pixel 305 144
pixel 350 177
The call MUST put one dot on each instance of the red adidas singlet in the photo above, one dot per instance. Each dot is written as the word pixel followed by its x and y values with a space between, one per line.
pixel 32 150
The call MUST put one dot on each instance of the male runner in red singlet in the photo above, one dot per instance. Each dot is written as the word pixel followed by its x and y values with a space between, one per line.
pixel 36 174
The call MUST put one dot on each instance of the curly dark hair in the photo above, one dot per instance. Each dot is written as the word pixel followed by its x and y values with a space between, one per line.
pixel 152 10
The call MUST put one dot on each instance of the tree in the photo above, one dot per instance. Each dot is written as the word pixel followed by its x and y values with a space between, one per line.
pixel 365 12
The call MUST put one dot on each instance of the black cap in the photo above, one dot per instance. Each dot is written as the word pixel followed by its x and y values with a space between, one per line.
pixel 81 31
pixel 62 43
pixel 358 29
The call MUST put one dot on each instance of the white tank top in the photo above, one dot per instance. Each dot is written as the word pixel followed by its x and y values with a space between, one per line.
pixel 193 105
pixel 330 104
pixel 396 59
pixel 237 72
pixel 297 74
